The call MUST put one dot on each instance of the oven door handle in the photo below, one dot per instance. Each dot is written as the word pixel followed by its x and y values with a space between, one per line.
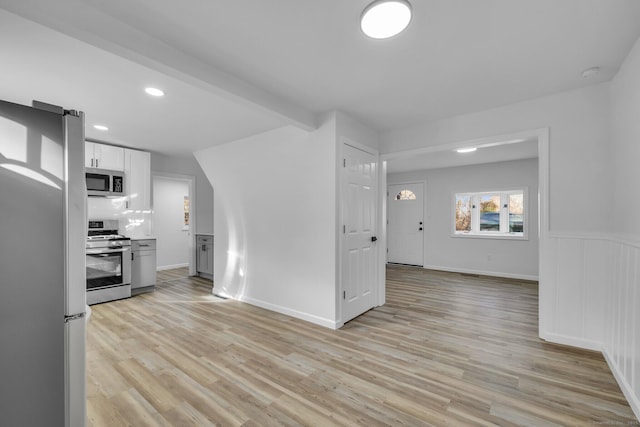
pixel 101 251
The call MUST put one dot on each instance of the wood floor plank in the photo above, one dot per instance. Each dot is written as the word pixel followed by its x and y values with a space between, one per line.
pixel 445 349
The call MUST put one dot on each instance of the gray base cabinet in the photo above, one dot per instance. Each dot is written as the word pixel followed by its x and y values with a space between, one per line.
pixel 143 266
pixel 204 258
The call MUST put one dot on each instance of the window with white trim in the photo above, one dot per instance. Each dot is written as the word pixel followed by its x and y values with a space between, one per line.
pixel 490 214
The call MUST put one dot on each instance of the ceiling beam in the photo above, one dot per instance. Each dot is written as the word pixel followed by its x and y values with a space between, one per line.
pixel 85 23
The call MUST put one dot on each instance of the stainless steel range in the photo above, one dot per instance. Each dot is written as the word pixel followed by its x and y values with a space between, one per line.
pixel 108 261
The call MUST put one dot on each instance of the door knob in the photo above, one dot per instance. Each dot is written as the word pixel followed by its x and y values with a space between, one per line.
pixel 374 238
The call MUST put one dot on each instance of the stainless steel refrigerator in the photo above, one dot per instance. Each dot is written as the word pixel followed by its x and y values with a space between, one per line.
pixel 42 271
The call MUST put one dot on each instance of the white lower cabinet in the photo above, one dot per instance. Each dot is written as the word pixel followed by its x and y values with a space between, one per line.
pixel 204 259
pixel 143 265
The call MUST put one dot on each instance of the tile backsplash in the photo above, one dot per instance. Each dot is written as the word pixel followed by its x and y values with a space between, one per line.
pixel 132 223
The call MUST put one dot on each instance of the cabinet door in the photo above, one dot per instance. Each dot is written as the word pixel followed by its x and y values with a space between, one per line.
pixel 109 157
pixel 136 273
pixel 89 160
pixel 146 262
pixel 209 254
pixel 203 260
pixel 138 178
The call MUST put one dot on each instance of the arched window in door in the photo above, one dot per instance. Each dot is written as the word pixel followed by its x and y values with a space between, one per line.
pixel 405 195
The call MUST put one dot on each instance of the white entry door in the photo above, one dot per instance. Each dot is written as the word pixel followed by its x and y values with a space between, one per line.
pixel 405 230
pixel 359 253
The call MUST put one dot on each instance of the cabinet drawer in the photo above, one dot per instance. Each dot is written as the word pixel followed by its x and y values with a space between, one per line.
pixel 142 245
pixel 202 240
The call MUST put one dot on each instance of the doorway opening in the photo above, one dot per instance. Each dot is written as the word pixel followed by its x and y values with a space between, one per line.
pixel 174 221
pixel 502 148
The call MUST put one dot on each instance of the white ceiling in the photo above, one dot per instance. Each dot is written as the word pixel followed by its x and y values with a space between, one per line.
pixel 235 68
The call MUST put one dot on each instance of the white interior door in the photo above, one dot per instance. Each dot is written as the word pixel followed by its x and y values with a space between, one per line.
pixel 405 229
pixel 359 254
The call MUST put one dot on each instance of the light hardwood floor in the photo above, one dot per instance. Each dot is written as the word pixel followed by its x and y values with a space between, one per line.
pixel 446 349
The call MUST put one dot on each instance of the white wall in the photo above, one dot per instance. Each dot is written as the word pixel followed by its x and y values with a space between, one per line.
pixel 172 244
pixel 580 157
pixel 508 258
pixel 275 220
pixel 353 130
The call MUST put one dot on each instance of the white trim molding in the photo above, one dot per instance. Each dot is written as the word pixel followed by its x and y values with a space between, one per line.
pixel 482 272
pixel 327 323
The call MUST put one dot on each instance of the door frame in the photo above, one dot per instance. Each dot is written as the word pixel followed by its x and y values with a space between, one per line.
pixel 424 206
pixel 191 182
pixel 381 247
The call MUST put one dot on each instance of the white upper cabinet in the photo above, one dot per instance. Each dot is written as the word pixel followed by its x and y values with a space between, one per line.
pixel 137 169
pixel 103 156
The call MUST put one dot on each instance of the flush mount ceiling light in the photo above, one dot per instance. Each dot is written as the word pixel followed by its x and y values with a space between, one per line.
pixel 467 150
pixel 385 18
pixel 154 91
pixel 101 127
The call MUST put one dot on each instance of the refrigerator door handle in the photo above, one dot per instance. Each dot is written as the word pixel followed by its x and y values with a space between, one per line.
pixel 73 317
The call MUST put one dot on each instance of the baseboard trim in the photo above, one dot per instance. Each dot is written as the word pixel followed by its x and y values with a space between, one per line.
pixel 571 341
pixel 482 272
pixel 169 267
pixel 633 400
pixel 321 321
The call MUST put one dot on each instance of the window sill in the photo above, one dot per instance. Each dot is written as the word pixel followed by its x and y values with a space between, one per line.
pixel 491 236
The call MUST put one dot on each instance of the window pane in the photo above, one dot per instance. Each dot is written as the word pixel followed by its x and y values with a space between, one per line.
pixel 463 213
pixel 516 213
pixel 490 212
pixel 405 195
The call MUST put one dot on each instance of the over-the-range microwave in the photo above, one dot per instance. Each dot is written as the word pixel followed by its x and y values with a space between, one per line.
pixel 104 183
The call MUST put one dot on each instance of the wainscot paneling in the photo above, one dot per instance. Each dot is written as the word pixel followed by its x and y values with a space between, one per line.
pixel 592 296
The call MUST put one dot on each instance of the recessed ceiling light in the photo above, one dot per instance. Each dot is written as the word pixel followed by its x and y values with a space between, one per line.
pixel 154 91
pixel 467 150
pixel 590 72
pixel 101 127
pixel 385 18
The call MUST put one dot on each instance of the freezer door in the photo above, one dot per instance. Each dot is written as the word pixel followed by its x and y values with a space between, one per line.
pixel 75 376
